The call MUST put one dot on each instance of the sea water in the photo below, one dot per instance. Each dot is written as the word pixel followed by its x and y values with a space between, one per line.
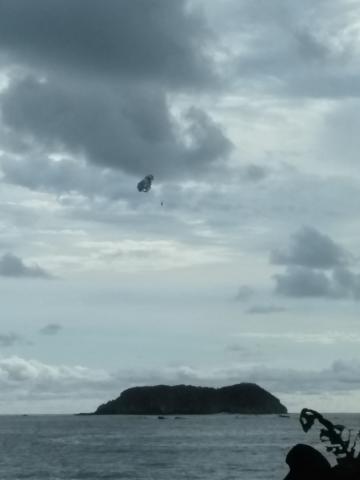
pixel 210 447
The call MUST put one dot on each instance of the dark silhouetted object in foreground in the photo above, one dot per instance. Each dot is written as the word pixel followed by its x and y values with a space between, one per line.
pixel 245 398
pixel 307 463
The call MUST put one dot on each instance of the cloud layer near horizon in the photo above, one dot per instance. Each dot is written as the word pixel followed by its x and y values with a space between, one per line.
pixel 34 380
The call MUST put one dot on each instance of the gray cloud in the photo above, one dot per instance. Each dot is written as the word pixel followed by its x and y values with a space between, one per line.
pixel 43 382
pixel 310 248
pixel 51 329
pixel 338 140
pixel 103 94
pixel 129 128
pixel 340 376
pixel 10 339
pixel 304 282
pixel 244 293
pixel 316 266
pixel 157 41
pixel 346 283
pixel 255 173
pixel 295 50
pixel 13 266
pixel 43 379
pixel 64 177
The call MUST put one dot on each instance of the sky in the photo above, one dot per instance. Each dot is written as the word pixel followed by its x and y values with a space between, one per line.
pixel 242 262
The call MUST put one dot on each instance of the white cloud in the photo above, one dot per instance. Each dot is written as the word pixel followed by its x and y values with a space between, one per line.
pixel 30 379
pixel 41 378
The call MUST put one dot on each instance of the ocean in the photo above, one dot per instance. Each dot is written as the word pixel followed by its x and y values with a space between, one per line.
pixel 211 447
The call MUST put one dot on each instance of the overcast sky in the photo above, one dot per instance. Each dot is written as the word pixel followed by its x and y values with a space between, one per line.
pixel 247 114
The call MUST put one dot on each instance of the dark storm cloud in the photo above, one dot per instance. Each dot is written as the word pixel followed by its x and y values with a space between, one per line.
pixel 94 82
pixel 51 329
pixel 130 128
pixel 13 266
pixel 310 248
pixel 158 40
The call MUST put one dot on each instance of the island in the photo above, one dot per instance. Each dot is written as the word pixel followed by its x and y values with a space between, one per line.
pixel 242 398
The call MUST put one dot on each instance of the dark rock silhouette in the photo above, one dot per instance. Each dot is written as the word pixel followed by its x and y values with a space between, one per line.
pixel 244 398
pixel 307 463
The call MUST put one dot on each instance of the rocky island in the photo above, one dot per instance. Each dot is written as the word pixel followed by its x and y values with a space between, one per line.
pixel 242 398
